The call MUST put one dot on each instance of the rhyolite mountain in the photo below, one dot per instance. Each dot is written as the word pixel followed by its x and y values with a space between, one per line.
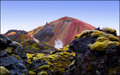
pixel 63 29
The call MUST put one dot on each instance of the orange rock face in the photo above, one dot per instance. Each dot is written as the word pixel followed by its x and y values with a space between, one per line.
pixel 12 33
pixel 64 29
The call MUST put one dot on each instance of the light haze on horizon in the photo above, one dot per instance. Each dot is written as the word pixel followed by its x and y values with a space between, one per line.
pixel 27 15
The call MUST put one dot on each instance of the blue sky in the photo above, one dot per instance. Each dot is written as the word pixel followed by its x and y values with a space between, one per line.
pixel 27 15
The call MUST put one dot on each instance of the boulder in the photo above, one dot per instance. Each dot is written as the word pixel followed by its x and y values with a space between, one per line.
pixel 97 53
pixel 12 57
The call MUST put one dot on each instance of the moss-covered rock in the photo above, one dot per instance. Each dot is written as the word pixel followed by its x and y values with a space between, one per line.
pixel 34 57
pixel 97 53
pixel 57 62
pixel 31 73
pixel 16 56
pixel 103 41
pixel 9 50
pixel 4 71
pixel 42 73
pixel 109 30
pixel 84 33
pixel 12 57
pixel 4 42
pixel 102 46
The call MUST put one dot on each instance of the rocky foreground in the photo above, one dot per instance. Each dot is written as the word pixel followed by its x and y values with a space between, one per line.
pixel 93 52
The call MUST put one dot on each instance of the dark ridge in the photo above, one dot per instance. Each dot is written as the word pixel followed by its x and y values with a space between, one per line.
pixel 17 31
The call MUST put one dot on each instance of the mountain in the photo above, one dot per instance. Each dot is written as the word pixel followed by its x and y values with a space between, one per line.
pixel 63 29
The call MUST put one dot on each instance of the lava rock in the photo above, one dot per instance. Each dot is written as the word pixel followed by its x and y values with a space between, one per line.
pixel 4 42
pixel 95 61
pixel 14 61
pixel 14 64
pixel 3 53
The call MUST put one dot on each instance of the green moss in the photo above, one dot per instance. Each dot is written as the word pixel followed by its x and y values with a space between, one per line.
pixel 16 56
pixel 102 39
pixel 59 61
pixel 34 58
pixel 9 50
pixel 23 74
pixel 112 37
pixel 42 73
pixel 4 71
pixel 45 47
pixel 107 37
pixel 112 71
pixel 108 30
pixel 62 70
pixel 40 55
pixel 29 56
pixel 97 34
pixel 31 73
pixel 44 67
pixel 102 46
pixel 34 46
pixel 52 52
pixel 84 33
pixel 56 62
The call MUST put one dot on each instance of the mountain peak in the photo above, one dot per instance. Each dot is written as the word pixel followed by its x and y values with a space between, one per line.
pixel 67 18
pixel 63 29
pixel 74 20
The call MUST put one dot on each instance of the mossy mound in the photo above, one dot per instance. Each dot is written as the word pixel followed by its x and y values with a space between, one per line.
pixel 103 39
pixel 53 64
pixel 97 53
pixel 56 62
pixel 4 71
pixel 84 33
pixel 42 73
pixel 102 46
pixel 31 73
pixel 109 31
pixel 34 57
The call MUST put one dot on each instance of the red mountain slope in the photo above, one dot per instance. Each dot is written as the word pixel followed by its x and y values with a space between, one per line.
pixel 64 29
